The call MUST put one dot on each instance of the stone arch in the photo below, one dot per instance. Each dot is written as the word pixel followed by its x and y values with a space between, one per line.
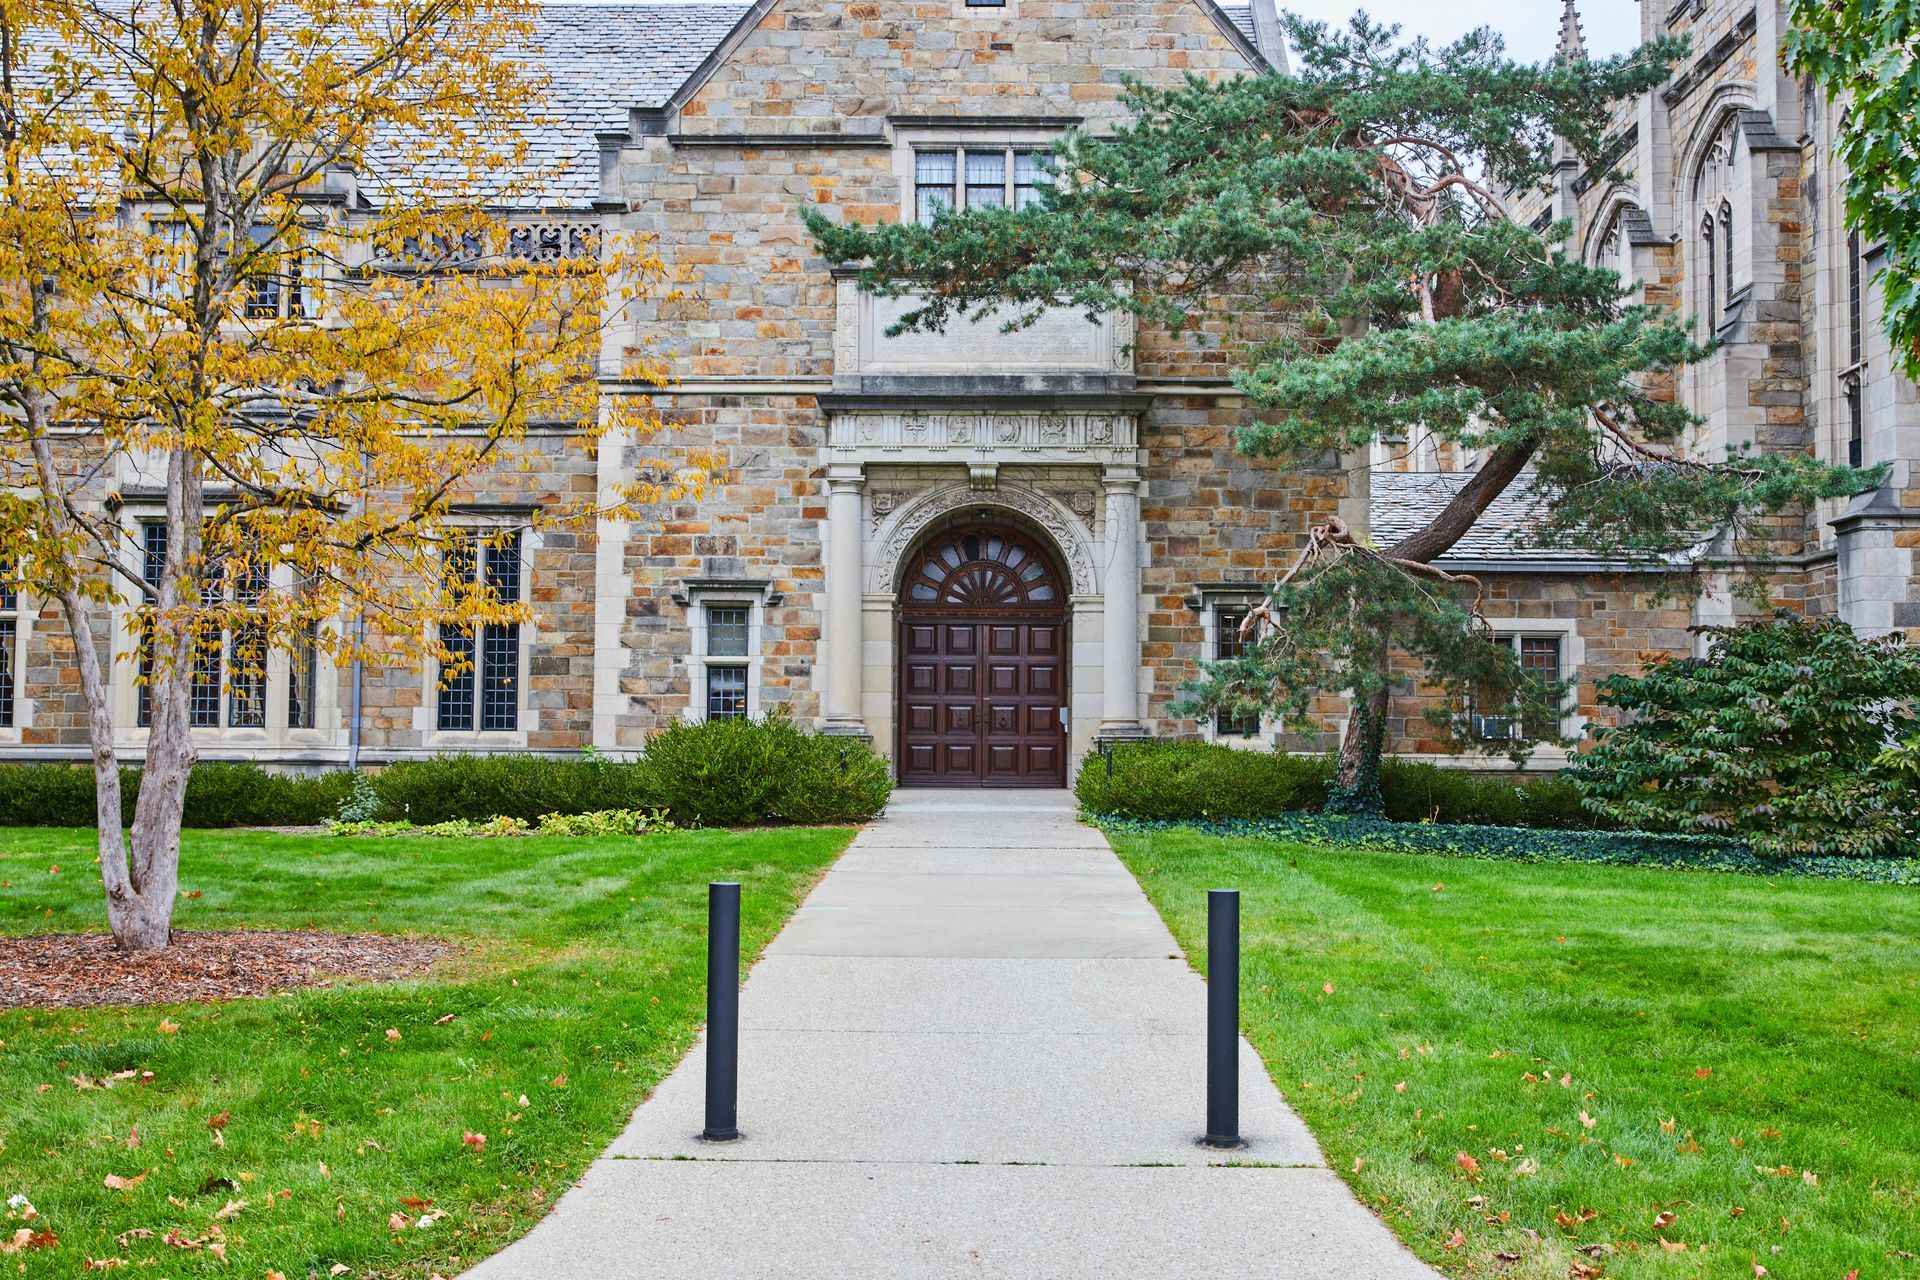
pixel 1070 539
pixel 1723 107
pixel 1619 208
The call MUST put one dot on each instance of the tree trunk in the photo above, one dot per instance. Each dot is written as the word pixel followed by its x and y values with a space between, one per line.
pixel 171 753
pixel 1356 779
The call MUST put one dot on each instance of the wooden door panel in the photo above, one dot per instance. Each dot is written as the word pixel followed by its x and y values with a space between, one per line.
pixel 981 696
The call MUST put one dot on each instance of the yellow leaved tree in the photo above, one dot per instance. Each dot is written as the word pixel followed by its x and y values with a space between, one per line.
pixel 261 256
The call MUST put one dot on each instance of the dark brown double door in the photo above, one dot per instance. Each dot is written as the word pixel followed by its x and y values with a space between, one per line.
pixel 982 665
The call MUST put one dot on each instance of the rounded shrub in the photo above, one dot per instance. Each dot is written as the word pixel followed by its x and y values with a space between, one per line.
pixel 722 773
pixel 832 779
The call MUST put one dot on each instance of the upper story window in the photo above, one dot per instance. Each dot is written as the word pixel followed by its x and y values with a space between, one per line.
pixel 479 683
pixel 278 275
pixel 1716 194
pixel 1856 354
pixel 977 176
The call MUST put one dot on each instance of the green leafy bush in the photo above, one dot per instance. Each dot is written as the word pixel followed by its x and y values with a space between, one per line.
pixel 1176 780
pixel 832 779
pixel 728 773
pixel 1416 791
pixel 1778 734
pixel 245 795
pixel 363 800
pixel 1162 780
pixel 218 795
pixel 56 795
pixel 606 822
pixel 1672 851
pixel 478 788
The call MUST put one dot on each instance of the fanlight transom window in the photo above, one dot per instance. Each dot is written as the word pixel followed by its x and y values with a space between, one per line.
pixel 985 568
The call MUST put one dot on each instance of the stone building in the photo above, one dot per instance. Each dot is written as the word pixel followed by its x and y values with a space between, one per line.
pixel 986 551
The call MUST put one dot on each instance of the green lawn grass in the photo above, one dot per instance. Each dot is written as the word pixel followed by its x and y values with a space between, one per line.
pixel 578 984
pixel 1746 1053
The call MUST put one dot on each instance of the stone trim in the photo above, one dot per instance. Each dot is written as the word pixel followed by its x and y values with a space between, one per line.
pixel 1070 538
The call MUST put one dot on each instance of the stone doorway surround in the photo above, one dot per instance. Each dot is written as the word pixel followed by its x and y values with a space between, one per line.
pixel 1066 468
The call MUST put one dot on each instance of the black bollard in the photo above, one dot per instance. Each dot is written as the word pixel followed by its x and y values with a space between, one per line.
pixel 1223 1018
pixel 723 1012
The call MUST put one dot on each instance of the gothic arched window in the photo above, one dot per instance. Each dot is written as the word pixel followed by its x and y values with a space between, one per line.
pixel 1716 195
pixel 1726 244
pixel 1709 310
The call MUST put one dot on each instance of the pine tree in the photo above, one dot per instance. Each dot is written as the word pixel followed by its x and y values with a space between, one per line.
pixel 1444 317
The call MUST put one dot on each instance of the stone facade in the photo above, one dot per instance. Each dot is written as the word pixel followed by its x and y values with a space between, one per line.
pixel 846 448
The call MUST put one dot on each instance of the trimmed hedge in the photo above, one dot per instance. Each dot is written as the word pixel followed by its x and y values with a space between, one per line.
pixel 218 795
pixel 721 773
pixel 1172 781
pixel 1161 781
pixel 1516 844
pixel 460 788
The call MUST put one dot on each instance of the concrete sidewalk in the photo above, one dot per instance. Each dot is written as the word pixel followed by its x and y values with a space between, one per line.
pixel 975 1051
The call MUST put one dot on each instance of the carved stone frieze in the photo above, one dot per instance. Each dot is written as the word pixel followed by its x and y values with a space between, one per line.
pixel 1004 433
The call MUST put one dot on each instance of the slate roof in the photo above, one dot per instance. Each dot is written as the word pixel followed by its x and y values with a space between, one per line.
pixel 1242 17
pixel 600 60
pixel 1403 501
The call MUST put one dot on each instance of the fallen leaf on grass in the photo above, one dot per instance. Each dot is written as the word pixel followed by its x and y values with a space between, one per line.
pixel 218 1249
pixel 1582 1271
pixel 231 1209
pixel 441 1022
pixel 114 1182
pixel 1327 987
pixel 1701 1073
pixel 393 1033
pixel 1769 1133
pixel 1401 1087
pixel 167 1028
pixel 1467 1163
pixel 219 1121
pixel 473 1141
pixel 1587 1121
pixel 1457 1239
pixel 104 1264
pixel 415 1203
pixel 26 1240
pixel 1664 1219
pixel 338 1269
pixel 1672 1246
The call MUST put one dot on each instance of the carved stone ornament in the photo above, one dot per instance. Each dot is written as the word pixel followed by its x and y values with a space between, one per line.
pixel 916 514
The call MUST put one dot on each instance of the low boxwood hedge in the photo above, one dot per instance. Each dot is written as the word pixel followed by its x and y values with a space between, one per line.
pixel 720 773
pixel 1173 780
pixel 1518 844
pixel 218 795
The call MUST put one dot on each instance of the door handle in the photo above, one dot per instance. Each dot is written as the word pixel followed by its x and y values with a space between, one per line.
pixel 1063 717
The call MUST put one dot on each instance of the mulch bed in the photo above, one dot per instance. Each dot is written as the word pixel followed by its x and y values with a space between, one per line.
pixel 79 970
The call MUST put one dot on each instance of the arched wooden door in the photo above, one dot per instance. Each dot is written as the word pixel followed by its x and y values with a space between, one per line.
pixel 983 667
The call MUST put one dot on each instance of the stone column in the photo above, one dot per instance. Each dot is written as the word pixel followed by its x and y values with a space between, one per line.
pixel 845 575
pixel 1120 712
